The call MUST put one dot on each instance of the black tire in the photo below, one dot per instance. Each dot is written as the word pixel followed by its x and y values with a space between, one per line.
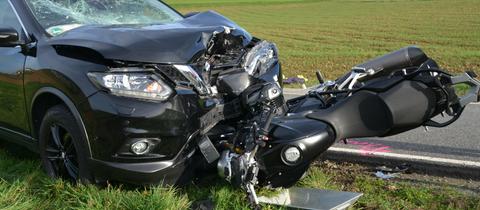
pixel 63 148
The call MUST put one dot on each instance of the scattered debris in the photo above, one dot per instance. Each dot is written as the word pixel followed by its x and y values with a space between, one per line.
pixel 385 172
pixel 403 168
pixel 299 79
pixel 382 175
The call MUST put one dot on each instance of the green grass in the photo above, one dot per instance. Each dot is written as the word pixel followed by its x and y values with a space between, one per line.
pixel 383 194
pixel 334 35
pixel 23 185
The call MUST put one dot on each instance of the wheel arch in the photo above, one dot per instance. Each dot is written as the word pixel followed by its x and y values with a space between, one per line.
pixel 48 97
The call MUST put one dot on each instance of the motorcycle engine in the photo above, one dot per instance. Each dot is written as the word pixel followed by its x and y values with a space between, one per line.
pixel 236 168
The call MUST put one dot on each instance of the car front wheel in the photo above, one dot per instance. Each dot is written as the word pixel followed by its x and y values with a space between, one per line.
pixel 62 145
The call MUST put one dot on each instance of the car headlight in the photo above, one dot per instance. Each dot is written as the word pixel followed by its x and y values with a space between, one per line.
pixel 261 58
pixel 132 83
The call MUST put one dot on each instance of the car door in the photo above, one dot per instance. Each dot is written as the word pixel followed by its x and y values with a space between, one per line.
pixel 13 115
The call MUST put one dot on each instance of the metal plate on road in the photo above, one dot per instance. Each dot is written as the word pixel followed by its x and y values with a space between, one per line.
pixel 315 199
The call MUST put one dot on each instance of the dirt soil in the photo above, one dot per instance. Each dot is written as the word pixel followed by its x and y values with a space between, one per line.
pixel 347 171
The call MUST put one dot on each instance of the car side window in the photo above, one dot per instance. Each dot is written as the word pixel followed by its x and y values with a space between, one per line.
pixel 8 17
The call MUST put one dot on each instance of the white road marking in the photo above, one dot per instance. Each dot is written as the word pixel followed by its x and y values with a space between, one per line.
pixel 410 157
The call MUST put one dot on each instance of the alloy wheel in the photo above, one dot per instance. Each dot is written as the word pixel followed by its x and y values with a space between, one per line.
pixel 61 153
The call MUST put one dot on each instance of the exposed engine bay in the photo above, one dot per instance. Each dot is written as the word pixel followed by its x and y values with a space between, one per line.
pixel 225 55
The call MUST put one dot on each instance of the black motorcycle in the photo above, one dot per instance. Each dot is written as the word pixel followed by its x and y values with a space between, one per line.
pixel 274 143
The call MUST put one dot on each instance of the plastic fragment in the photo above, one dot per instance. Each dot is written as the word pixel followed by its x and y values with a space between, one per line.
pixel 382 175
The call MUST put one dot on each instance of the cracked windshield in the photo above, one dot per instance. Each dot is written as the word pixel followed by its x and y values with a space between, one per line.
pixel 59 16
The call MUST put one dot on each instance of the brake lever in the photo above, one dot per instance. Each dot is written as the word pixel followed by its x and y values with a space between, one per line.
pixel 473 93
pixel 458 107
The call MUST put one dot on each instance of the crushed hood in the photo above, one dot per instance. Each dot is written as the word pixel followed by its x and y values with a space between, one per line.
pixel 176 43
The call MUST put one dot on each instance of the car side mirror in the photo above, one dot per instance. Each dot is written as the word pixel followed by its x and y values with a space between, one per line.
pixel 8 37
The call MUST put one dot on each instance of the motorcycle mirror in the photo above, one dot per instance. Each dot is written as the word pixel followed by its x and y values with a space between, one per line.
pixel 320 78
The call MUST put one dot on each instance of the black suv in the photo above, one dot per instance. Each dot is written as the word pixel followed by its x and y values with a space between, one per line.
pixel 115 90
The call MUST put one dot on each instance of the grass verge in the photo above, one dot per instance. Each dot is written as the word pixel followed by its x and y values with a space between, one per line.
pixel 24 186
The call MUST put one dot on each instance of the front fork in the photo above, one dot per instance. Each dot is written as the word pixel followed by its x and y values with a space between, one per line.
pixel 260 137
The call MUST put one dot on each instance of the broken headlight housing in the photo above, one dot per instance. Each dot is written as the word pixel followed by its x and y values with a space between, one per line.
pixel 261 58
pixel 132 82
pixel 194 78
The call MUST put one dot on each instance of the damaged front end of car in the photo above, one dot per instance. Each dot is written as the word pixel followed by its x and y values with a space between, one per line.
pixel 164 90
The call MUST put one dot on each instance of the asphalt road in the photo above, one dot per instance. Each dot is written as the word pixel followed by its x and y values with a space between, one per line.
pixel 459 141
